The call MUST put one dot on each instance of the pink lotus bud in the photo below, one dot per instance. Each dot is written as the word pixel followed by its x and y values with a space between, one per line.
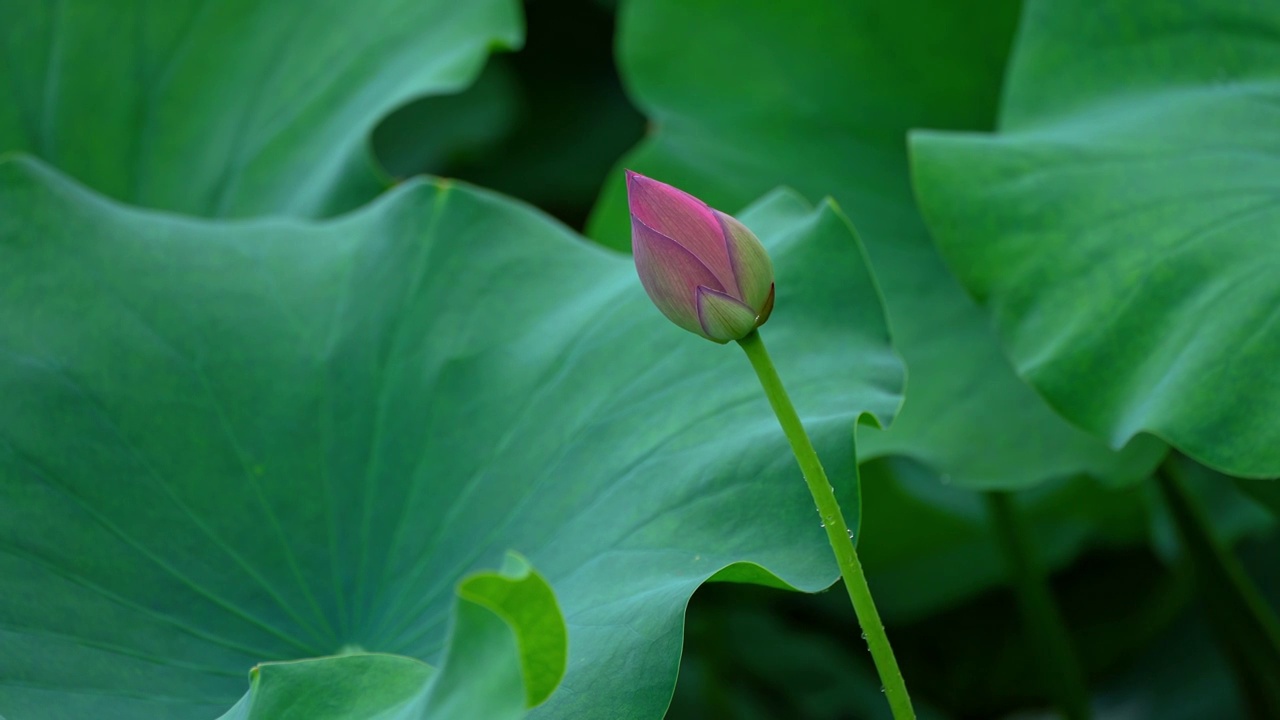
pixel 703 269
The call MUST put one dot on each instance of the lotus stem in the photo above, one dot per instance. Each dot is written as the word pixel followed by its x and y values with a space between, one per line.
pixel 1047 631
pixel 838 533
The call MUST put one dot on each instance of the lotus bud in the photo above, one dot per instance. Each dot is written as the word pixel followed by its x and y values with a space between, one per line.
pixel 703 269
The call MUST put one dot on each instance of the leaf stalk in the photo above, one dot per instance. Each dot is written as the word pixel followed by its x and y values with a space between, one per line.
pixel 1063 676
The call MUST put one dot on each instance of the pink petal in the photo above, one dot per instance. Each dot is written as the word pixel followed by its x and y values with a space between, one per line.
pixel 684 219
pixel 671 275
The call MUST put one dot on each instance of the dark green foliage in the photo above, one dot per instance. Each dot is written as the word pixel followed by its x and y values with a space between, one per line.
pixel 273 411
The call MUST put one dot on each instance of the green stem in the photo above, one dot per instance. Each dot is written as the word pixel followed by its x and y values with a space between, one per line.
pixel 838 533
pixel 1248 630
pixel 1048 633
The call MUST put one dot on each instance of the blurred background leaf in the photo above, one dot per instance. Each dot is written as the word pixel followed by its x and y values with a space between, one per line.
pixel 231 107
pixel 435 133
pixel 930 545
pixel 1121 226
pixel 545 125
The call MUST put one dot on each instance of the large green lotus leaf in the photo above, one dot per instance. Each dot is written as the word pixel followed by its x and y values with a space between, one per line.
pixel 820 98
pixel 1121 226
pixel 506 651
pixel 231 443
pixel 230 107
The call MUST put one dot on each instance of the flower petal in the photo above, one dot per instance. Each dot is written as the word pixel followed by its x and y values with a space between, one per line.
pixel 751 264
pixel 685 219
pixel 767 310
pixel 724 318
pixel 670 274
